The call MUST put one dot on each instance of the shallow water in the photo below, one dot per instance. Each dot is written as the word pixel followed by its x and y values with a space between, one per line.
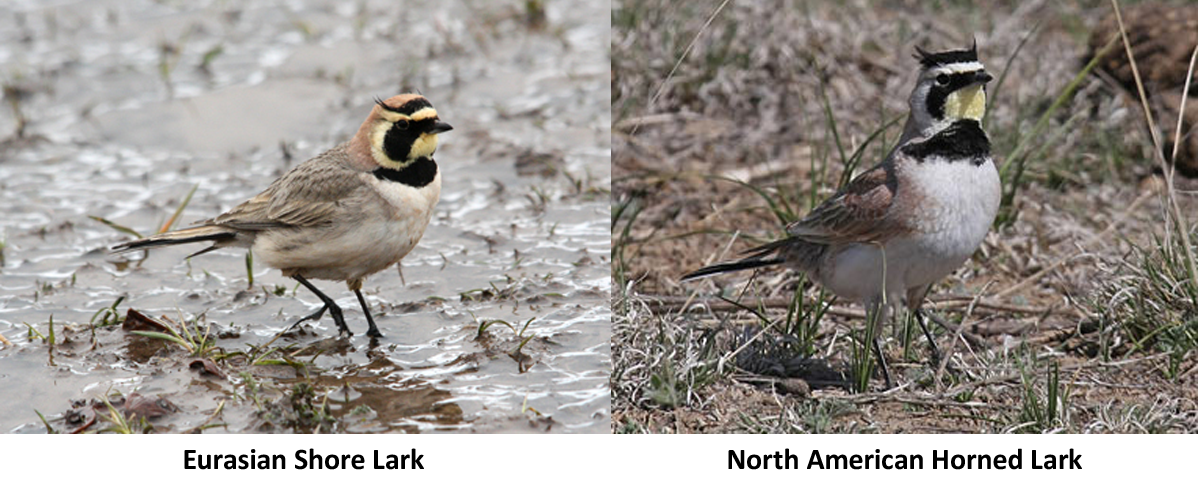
pixel 122 121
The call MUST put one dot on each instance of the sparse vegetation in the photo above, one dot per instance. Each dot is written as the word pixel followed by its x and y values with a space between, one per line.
pixel 109 315
pixel 194 342
pixel 118 422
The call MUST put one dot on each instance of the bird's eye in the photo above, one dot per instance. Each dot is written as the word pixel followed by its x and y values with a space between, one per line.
pixel 402 124
pixel 942 80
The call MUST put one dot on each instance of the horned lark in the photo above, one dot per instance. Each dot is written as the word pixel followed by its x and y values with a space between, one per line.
pixel 350 212
pixel 899 227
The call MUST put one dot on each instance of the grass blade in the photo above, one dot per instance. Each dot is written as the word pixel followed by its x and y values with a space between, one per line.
pixel 118 227
pixel 170 222
pixel 1002 77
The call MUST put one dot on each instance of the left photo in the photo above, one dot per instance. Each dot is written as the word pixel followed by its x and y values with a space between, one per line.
pixel 333 217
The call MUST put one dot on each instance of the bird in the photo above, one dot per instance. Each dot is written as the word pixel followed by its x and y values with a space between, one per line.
pixel 348 213
pixel 896 229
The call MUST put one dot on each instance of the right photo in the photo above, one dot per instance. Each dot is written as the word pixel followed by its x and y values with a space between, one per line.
pixel 904 217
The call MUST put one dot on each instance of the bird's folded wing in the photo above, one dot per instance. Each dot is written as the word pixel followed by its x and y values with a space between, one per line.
pixel 309 195
pixel 859 213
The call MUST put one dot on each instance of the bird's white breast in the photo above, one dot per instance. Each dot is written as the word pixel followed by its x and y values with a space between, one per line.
pixel 958 203
pixel 408 201
pixel 411 209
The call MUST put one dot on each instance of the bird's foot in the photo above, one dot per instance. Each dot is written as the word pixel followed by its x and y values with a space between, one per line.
pixel 935 353
pixel 342 327
pixel 315 316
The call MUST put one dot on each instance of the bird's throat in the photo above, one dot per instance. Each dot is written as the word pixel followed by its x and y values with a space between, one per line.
pixel 968 103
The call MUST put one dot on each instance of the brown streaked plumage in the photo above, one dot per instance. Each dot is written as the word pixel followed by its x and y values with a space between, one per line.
pixel 861 212
pixel 343 215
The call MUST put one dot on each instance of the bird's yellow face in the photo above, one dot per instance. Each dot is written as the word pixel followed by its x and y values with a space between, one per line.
pixel 968 103
pixel 405 131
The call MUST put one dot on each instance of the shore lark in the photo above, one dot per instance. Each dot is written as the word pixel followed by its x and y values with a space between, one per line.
pixel 350 212
pixel 899 227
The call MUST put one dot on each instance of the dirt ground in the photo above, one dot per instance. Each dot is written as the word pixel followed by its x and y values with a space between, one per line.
pixel 1074 311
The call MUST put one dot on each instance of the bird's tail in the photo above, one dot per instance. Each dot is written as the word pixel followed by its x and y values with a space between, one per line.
pixel 216 234
pixel 761 256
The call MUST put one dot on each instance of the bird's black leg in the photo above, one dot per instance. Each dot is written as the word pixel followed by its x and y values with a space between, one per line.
pixel 882 364
pixel 373 332
pixel 329 305
pixel 874 320
pixel 928 334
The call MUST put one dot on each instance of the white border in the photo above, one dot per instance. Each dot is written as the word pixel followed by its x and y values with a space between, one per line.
pixel 594 465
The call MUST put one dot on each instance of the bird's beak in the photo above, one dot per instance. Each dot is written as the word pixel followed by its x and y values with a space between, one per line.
pixel 982 77
pixel 440 127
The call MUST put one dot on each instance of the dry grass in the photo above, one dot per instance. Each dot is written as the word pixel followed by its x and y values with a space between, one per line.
pixel 1084 276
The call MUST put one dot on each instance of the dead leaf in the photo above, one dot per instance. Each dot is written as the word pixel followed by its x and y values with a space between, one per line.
pixel 137 321
pixel 137 405
pixel 84 417
pixel 207 366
